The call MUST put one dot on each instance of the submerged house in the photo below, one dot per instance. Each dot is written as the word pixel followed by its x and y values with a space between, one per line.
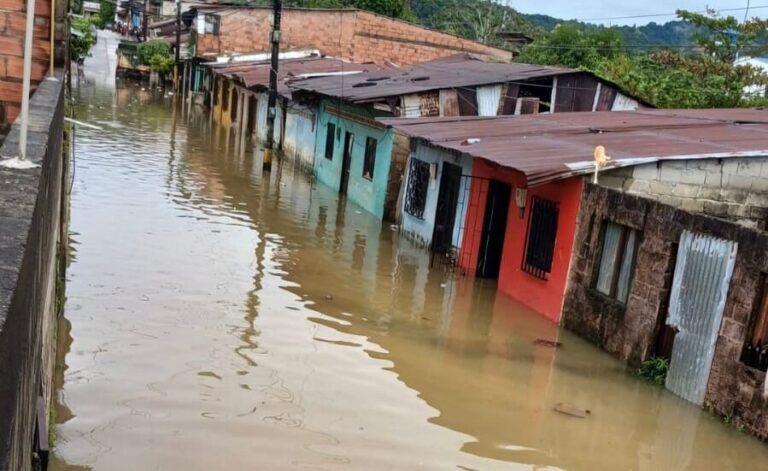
pixel 364 160
pixel 238 96
pixel 666 255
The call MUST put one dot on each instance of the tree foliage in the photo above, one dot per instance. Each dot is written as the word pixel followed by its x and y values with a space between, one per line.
pixel 479 20
pixel 157 55
pixel 106 12
pixel 82 42
pixel 663 77
pixel 569 46
pixel 391 8
pixel 725 38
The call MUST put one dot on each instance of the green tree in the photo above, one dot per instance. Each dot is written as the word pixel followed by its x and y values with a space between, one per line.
pixel 391 8
pixel 725 38
pixel 82 39
pixel 106 12
pixel 569 46
pixel 479 20
pixel 157 55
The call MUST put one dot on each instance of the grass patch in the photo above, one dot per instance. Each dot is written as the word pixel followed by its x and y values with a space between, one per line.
pixel 654 370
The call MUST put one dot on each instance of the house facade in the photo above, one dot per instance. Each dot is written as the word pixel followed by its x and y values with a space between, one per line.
pixel 353 154
pixel 454 86
pixel 353 35
pixel 521 214
pixel 695 293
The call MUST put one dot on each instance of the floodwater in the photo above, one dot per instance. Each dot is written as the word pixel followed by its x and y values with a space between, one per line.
pixel 224 318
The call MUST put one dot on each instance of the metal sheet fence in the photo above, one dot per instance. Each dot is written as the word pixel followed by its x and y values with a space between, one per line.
pixel 699 290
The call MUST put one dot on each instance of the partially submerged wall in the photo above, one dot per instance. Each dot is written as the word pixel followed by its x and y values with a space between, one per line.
pixel 32 221
pixel 732 188
pixel 631 331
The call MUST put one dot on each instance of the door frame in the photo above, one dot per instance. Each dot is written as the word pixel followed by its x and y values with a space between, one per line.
pixel 346 162
pixel 496 214
pixel 449 189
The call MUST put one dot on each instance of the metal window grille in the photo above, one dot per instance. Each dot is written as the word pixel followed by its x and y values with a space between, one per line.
pixel 416 192
pixel 542 232
pixel 330 137
pixel 617 260
pixel 370 158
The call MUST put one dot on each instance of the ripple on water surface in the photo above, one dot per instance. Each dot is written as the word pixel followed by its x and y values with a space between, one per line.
pixel 220 317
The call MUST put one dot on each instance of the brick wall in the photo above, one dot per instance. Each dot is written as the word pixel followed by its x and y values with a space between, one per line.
pixel 12 26
pixel 630 331
pixel 349 34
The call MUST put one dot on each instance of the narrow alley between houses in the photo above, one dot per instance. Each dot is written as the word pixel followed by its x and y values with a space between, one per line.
pixel 220 316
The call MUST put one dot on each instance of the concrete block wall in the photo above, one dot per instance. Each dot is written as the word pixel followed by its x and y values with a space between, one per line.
pixel 630 331
pixel 33 217
pixel 12 27
pixel 734 188
pixel 350 34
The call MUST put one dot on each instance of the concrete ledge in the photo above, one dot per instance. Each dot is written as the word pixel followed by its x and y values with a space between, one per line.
pixel 31 203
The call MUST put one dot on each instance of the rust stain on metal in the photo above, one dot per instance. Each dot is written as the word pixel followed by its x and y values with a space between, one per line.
pixel 548 147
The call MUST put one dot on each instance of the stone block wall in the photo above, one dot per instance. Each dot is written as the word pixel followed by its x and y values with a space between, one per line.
pixel 733 188
pixel 630 331
pixel 12 26
pixel 350 34
pixel 32 220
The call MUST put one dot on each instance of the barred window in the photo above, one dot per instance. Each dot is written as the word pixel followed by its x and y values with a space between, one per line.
pixel 617 261
pixel 416 192
pixel 542 232
pixel 330 138
pixel 370 158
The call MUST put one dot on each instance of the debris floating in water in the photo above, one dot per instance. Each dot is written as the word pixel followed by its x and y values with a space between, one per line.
pixel 571 410
pixel 80 123
pixel 547 343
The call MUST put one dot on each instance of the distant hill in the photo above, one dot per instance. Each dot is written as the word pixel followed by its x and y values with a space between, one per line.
pixel 432 13
pixel 669 34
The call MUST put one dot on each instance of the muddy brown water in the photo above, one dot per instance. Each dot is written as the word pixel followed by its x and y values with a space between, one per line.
pixel 223 318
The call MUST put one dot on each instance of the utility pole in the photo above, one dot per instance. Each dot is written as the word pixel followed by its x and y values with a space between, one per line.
pixel 178 46
pixel 272 103
pixel 145 19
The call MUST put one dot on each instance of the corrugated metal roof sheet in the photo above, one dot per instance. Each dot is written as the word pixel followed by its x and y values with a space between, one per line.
pixel 460 70
pixel 256 74
pixel 549 147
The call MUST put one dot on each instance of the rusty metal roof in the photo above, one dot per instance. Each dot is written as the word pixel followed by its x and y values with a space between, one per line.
pixel 548 147
pixel 459 70
pixel 256 74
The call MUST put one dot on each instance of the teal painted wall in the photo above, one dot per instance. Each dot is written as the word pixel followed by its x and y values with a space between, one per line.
pixel 368 194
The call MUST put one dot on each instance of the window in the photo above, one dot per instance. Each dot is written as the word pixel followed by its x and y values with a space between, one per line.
pixel 617 261
pixel 370 158
pixel 416 192
pixel 212 25
pixel 755 352
pixel 540 244
pixel 330 138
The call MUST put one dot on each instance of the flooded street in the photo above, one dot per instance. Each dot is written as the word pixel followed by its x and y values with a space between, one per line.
pixel 224 318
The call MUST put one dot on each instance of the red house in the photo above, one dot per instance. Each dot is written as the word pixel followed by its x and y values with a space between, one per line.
pixel 515 215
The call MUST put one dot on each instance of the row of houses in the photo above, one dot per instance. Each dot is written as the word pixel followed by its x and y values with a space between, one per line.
pixel 659 248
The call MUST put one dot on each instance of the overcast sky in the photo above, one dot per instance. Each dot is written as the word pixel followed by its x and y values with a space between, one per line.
pixel 592 9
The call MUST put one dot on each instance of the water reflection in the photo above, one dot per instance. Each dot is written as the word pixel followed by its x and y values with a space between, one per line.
pixel 223 317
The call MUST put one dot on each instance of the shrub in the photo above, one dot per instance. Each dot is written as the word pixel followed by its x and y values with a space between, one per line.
pixel 654 370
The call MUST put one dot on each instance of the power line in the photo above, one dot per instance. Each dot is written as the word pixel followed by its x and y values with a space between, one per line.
pixel 655 15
